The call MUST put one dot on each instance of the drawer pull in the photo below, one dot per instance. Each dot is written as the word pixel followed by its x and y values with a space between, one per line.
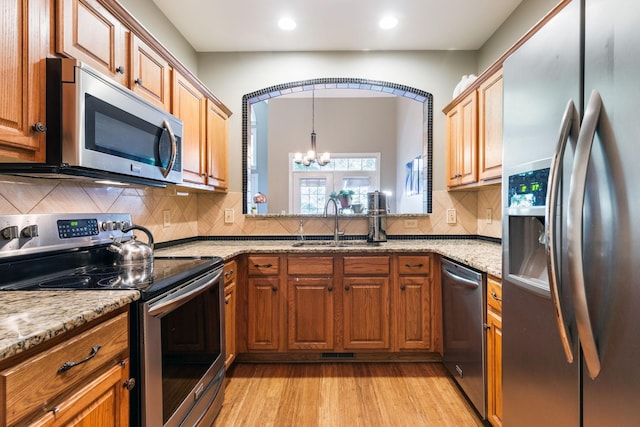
pixel 414 265
pixel 68 365
pixel 403 287
pixel 228 273
pixel 495 296
pixel 263 265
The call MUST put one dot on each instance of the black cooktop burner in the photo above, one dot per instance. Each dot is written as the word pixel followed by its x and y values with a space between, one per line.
pixel 95 269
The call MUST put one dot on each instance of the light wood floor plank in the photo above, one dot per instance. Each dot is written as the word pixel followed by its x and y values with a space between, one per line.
pixel 344 394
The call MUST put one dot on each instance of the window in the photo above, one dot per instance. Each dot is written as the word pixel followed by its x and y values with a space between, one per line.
pixel 312 185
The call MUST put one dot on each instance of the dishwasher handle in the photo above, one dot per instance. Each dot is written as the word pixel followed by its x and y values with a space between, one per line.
pixel 460 280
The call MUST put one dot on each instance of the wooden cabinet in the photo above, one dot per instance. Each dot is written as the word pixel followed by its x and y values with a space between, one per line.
pixel 189 105
pixel 87 31
pixel 494 351
pixel 366 303
pixel 311 302
pixel 474 134
pixel 230 308
pixel 24 41
pixel 217 147
pixel 412 296
pixel 45 389
pixel 490 127
pixel 462 142
pixel 265 303
pixel 150 74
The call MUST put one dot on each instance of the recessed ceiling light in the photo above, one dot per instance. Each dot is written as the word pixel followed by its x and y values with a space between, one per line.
pixel 287 24
pixel 388 22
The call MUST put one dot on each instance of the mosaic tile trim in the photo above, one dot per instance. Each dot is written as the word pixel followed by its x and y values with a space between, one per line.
pixel 326 237
pixel 424 97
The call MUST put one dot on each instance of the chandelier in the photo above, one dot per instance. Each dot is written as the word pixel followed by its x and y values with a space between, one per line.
pixel 312 155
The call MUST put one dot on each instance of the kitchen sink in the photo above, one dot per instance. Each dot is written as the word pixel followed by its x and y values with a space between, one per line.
pixel 332 243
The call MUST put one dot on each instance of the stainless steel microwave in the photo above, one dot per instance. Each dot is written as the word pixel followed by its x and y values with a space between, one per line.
pixel 97 128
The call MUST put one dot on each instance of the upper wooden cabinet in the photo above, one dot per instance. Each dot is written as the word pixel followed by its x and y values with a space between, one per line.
pixel 150 74
pixel 462 142
pixel 24 42
pixel 474 134
pixel 217 147
pixel 87 31
pixel 189 105
pixel 490 127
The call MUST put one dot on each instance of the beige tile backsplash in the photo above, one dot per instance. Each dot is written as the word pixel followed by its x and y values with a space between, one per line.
pixel 193 214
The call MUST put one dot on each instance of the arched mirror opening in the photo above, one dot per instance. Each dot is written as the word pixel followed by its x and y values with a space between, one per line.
pixel 376 136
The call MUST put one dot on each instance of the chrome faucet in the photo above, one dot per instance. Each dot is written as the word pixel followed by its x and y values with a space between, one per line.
pixel 336 229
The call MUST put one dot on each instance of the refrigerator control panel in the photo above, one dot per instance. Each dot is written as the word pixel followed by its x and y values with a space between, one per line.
pixel 528 189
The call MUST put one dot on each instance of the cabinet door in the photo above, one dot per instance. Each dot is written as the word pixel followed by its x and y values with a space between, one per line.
pixel 263 313
pixel 490 127
pixel 24 41
pixel 150 74
pixel 366 312
pixel 87 31
pixel 230 322
pixel 494 368
pixel 102 402
pixel 311 302
pixel 414 313
pixel 462 134
pixel 189 104
pixel 217 143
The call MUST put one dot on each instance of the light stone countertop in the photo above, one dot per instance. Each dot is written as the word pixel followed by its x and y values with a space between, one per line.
pixel 478 254
pixel 28 318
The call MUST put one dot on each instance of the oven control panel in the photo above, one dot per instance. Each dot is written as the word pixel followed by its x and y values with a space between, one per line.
pixel 27 234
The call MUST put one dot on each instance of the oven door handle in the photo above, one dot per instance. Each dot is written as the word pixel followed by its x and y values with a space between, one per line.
pixel 175 299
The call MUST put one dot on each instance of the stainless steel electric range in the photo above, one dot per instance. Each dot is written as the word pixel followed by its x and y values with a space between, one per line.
pixel 177 326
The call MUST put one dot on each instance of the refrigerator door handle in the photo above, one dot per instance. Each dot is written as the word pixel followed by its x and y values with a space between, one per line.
pixel 568 127
pixel 574 230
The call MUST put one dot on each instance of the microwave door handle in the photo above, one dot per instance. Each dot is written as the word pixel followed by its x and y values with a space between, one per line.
pixel 575 217
pixel 568 127
pixel 174 149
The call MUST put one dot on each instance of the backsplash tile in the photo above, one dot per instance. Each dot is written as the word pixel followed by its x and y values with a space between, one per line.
pixel 202 214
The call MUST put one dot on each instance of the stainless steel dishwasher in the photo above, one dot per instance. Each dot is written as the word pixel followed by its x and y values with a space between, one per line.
pixel 463 325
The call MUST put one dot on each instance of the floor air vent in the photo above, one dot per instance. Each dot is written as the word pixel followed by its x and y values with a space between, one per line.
pixel 338 356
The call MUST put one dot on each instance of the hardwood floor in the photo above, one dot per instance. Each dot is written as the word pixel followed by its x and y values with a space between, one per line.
pixel 344 394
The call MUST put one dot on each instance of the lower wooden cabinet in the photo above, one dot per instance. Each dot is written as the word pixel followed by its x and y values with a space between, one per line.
pixel 266 298
pixel 310 314
pixel 42 391
pixel 366 312
pixel 413 302
pixel 494 352
pixel 230 309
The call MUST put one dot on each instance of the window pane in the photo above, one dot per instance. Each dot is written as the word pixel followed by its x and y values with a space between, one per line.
pixel 341 164
pixel 312 195
pixel 369 164
pixel 355 164
pixel 360 187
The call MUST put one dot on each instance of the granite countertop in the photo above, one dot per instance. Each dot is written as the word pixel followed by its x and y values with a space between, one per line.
pixel 28 318
pixel 478 254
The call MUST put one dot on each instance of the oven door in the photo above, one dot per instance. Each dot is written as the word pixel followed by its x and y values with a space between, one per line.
pixel 182 353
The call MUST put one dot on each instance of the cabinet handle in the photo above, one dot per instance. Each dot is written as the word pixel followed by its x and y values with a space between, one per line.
pixel 129 384
pixel 486 326
pixel 346 288
pixel 138 81
pixel 120 69
pixel 330 288
pixel 414 265
pixel 228 273
pixel 263 265
pixel 403 287
pixel 274 289
pixel 39 127
pixel 495 296
pixel 68 365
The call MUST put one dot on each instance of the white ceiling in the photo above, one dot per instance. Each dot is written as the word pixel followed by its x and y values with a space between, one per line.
pixel 336 25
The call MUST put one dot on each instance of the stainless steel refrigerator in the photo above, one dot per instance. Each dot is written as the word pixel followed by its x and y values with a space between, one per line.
pixel 571 229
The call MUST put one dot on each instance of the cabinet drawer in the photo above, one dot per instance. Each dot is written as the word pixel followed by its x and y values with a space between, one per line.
pixel 310 265
pixel 366 265
pixel 230 272
pixel 35 384
pixel 263 265
pixel 494 294
pixel 417 264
